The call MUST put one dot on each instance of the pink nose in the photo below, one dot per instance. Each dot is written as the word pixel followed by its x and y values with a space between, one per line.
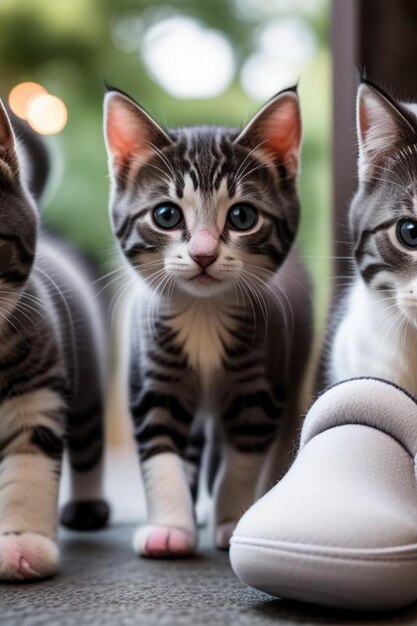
pixel 203 247
pixel 203 260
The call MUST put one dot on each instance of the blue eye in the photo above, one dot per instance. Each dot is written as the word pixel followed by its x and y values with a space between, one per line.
pixel 407 233
pixel 242 216
pixel 167 216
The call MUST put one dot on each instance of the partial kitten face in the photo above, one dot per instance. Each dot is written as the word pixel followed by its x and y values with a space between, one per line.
pixel 203 209
pixel 18 217
pixel 384 212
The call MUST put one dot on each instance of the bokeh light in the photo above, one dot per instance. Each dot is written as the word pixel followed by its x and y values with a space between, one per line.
pixel 188 59
pixel 266 9
pixel 127 32
pixel 47 114
pixel 285 47
pixel 22 94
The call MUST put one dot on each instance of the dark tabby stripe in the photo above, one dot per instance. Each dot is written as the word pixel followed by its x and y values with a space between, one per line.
pixel 4 443
pixel 152 399
pixel 362 246
pixel 124 231
pixel 144 433
pixel 161 360
pixel 48 442
pixel 147 453
pixel 163 378
pixel 372 269
pixel 85 438
pixel 259 399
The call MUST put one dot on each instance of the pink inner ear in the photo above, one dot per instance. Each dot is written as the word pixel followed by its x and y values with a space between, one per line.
pixel 282 134
pixel 125 134
pixel 363 121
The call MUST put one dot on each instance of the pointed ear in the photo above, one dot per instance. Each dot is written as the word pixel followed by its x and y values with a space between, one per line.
pixel 276 130
pixel 129 131
pixel 383 127
pixel 8 153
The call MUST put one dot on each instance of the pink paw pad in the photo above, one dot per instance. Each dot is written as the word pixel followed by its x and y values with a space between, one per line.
pixel 27 556
pixel 26 570
pixel 165 542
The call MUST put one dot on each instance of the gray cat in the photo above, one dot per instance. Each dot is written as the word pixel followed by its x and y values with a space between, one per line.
pixel 376 327
pixel 51 348
pixel 220 316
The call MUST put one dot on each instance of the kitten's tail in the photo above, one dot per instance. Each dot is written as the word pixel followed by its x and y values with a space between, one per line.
pixel 35 156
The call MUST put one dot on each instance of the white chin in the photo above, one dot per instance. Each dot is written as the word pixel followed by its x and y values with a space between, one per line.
pixel 204 290
pixel 410 313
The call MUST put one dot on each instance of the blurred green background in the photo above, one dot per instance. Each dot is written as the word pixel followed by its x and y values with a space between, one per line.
pixel 189 62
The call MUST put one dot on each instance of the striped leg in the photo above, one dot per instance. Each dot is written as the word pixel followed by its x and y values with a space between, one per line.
pixel 193 458
pixel 250 421
pixel 234 490
pixel 162 426
pixel 204 448
pixel 31 443
pixel 87 510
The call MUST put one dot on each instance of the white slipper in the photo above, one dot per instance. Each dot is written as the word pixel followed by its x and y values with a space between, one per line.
pixel 340 529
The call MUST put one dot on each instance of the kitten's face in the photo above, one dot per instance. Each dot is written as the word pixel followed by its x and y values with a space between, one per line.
pixel 18 217
pixel 204 210
pixel 384 211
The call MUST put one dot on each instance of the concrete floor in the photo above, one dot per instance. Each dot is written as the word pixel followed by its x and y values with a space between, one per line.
pixel 102 582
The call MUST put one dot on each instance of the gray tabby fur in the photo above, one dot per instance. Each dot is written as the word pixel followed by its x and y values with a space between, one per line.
pixel 233 348
pixel 51 378
pixel 375 326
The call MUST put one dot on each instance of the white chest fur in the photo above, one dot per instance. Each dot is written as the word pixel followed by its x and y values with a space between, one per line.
pixel 374 340
pixel 203 330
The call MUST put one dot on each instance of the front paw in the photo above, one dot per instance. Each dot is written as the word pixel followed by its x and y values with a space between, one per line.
pixel 164 542
pixel 27 556
pixel 85 515
pixel 224 532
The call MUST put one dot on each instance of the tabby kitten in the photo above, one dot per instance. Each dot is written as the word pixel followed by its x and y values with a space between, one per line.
pixel 377 330
pixel 50 384
pixel 205 218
